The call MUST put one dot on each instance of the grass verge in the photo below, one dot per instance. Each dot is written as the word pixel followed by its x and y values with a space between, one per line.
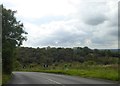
pixel 5 78
pixel 95 72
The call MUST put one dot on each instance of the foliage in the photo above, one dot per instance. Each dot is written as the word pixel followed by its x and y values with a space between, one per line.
pixel 55 56
pixel 78 61
pixel 6 78
pixel 90 63
pixel 12 31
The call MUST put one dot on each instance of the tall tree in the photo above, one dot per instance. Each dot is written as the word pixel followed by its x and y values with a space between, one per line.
pixel 12 37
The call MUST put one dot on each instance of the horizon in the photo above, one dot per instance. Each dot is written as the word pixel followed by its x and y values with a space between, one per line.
pixel 71 47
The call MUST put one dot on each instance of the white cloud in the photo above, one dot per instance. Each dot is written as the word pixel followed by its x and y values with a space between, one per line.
pixel 40 8
pixel 90 23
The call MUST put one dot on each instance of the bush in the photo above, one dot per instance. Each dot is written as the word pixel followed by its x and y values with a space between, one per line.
pixel 89 63
pixel 17 65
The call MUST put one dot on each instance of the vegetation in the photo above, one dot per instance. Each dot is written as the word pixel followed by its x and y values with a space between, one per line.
pixel 109 72
pixel 6 78
pixel 78 61
pixel 12 31
pixel 54 56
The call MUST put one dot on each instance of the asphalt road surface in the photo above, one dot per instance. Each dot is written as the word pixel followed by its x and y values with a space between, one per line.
pixel 48 78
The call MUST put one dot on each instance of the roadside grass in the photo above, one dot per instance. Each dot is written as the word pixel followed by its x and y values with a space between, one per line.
pixel 109 72
pixel 5 78
pixel 0 78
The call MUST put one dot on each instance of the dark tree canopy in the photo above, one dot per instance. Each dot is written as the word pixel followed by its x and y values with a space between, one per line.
pixel 52 56
pixel 12 31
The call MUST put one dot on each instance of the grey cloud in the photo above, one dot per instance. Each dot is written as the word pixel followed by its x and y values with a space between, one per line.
pixel 63 38
pixel 93 13
pixel 113 32
pixel 99 41
pixel 98 26
pixel 107 39
pixel 95 20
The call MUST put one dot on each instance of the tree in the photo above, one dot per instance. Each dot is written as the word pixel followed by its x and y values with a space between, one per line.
pixel 12 37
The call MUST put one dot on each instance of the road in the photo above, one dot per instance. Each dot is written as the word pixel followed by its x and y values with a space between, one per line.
pixel 48 78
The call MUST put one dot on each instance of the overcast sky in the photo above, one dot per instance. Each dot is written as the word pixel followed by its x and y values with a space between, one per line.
pixel 68 23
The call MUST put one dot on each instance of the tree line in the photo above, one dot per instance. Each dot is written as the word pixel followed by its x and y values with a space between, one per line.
pixel 51 55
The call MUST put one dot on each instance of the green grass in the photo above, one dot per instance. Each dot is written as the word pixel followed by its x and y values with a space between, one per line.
pixel 5 78
pixel 101 71
pixel 0 78
pixel 110 75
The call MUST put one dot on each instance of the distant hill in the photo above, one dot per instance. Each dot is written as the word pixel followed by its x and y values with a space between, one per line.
pixel 113 50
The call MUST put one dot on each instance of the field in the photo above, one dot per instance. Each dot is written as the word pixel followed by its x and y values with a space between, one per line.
pixel 109 72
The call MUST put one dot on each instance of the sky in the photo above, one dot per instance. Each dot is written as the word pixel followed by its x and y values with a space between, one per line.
pixel 68 23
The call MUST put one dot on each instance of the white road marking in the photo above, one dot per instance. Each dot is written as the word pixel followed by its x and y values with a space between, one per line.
pixel 54 81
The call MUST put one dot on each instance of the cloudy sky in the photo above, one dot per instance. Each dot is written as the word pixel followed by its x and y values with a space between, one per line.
pixel 68 23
